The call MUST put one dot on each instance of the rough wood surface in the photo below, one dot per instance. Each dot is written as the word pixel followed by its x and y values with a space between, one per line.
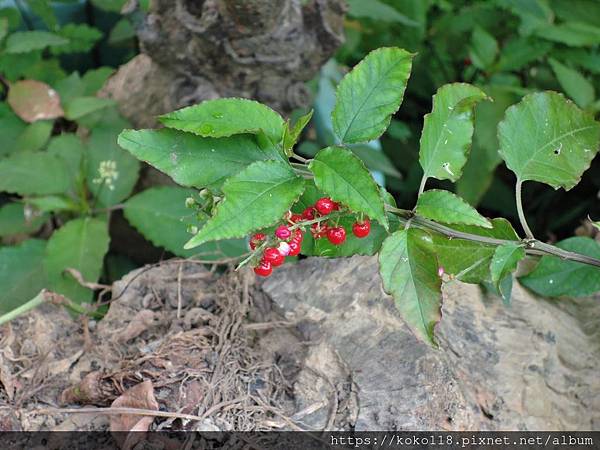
pixel 195 50
pixel 532 366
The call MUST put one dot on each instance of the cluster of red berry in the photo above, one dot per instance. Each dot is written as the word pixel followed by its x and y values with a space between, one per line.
pixel 289 241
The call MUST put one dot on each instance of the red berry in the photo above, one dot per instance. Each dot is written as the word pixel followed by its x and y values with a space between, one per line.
pixel 264 268
pixel 295 218
pixel 308 213
pixel 361 230
pixel 295 248
pixel 284 248
pixel 273 257
pixel 283 232
pixel 298 236
pixel 336 235
pixel 324 205
pixel 256 240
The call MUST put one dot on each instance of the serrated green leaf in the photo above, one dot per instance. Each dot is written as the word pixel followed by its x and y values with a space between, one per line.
pixel 81 245
pixel 21 273
pixel 469 261
pixel 504 262
pixel 15 220
pixel 255 198
pixel 81 38
pixel 291 135
pixel 33 174
pixel 484 48
pixel 370 94
pixel 103 149
pixel 574 83
pixel 192 160
pixel 343 176
pixel 161 216
pixel 556 277
pixel 81 106
pixel 447 131
pixel 444 206
pixel 123 30
pixel 226 117
pixel 379 11
pixel 548 139
pixel 27 41
pixel 408 268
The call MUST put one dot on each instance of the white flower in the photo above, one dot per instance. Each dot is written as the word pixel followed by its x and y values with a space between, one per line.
pixel 108 174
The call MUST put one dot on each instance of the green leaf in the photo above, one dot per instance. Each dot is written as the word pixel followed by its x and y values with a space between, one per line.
pixel 81 106
pixel 255 198
pixel 191 160
pixel 343 176
pixel 21 273
pixel 34 136
pixel 370 94
pixel 161 216
pixel 226 117
pixel 379 11
pixel 444 206
pixel 596 224
pixel 27 41
pixel 504 262
pixel 33 174
pixel 81 38
pixel 291 135
pixel 12 127
pixel 123 30
pixel 114 6
pixel 447 131
pixel 469 261
pixel 574 83
pixel 94 79
pixel 52 203
pixel 556 277
pixel 519 52
pixel 103 149
pixel 81 245
pixel 43 9
pixel 548 139
pixel 484 158
pixel 376 160
pixel 69 148
pixel 484 48
pixel 408 268
pixel 574 34
pixel 15 219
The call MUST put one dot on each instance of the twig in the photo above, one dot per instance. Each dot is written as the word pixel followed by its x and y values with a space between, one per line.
pixel 109 411
pixel 532 246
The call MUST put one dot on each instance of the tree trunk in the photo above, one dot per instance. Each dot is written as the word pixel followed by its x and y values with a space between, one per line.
pixel 194 50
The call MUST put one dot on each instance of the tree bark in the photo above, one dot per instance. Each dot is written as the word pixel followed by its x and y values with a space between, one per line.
pixel 195 50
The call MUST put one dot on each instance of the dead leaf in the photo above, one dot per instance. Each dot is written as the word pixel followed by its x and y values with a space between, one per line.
pixel 141 396
pixel 33 100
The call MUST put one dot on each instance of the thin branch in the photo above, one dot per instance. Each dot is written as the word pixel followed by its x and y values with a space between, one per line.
pixel 522 218
pixel 109 411
pixel 300 158
pixel 422 185
pixel 532 246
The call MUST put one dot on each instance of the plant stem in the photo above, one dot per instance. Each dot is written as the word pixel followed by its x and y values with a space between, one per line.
pixel 33 303
pixel 422 186
pixel 300 158
pixel 532 246
pixel 526 229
